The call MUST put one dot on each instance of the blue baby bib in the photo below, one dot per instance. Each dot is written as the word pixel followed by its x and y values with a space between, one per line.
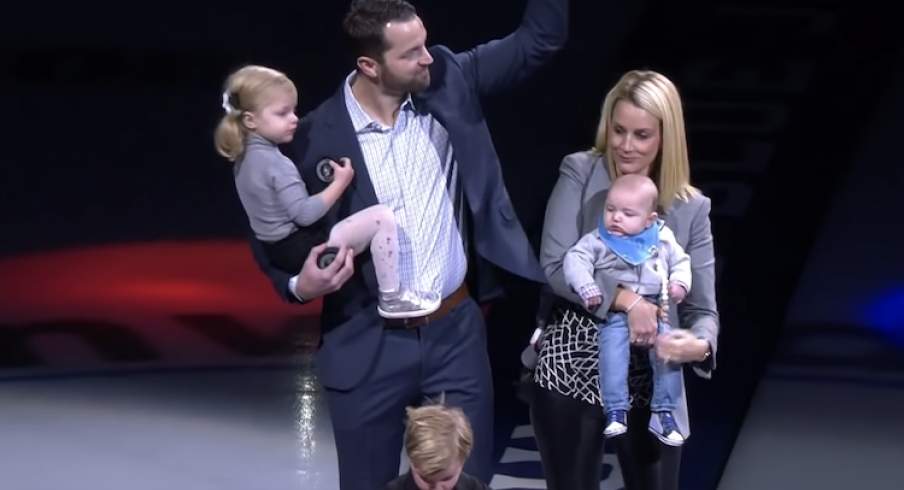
pixel 635 249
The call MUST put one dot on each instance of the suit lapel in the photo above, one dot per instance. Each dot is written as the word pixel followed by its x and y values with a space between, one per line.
pixel 342 142
pixel 432 103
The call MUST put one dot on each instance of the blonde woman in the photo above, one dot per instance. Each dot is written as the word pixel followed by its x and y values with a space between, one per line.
pixel 641 132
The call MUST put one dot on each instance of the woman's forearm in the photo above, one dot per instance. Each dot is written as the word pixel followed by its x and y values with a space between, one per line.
pixel 703 327
pixel 623 299
pixel 706 329
pixel 701 350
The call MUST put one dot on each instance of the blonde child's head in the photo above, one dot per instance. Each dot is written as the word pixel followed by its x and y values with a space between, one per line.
pixel 438 440
pixel 258 100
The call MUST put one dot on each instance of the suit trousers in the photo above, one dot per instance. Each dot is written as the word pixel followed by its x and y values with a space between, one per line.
pixel 445 359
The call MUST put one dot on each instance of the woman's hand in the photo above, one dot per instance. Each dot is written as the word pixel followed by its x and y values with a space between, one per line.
pixel 680 346
pixel 643 322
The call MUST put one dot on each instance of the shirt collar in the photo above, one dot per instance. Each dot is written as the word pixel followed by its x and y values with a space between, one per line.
pixel 361 121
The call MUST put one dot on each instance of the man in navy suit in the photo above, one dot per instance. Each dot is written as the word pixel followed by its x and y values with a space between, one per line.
pixel 409 118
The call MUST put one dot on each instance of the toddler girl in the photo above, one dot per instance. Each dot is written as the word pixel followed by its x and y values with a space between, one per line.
pixel 260 114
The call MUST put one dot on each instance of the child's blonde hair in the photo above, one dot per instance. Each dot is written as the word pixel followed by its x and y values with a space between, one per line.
pixel 245 91
pixel 436 438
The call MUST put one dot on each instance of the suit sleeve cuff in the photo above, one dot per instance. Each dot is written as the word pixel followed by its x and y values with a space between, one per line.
pixel 293 287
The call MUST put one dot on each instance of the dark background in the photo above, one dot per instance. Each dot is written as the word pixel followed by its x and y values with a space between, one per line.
pixel 110 109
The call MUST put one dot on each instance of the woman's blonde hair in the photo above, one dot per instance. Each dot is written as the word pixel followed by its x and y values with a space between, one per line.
pixel 656 94
pixel 436 438
pixel 245 91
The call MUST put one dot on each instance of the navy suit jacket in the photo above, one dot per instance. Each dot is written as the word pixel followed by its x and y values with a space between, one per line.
pixel 351 326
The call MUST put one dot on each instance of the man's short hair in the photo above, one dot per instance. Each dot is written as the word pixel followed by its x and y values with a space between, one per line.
pixel 365 23
pixel 436 438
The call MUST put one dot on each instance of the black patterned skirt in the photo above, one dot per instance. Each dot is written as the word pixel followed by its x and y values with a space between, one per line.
pixel 569 360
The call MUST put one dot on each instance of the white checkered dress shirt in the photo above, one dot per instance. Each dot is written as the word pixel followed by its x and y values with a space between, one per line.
pixel 414 172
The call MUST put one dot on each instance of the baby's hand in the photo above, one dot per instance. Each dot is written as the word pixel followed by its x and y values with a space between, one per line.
pixel 677 293
pixel 593 302
pixel 343 172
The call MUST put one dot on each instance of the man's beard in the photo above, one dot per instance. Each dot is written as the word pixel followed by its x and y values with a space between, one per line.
pixel 404 87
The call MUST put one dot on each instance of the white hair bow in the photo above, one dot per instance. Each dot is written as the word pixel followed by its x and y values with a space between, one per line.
pixel 227 106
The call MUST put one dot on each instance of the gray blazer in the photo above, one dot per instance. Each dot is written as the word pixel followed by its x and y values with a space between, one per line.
pixel 574 209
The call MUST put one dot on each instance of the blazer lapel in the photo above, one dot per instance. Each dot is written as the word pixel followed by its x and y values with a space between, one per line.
pixel 342 142
pixel 429 102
